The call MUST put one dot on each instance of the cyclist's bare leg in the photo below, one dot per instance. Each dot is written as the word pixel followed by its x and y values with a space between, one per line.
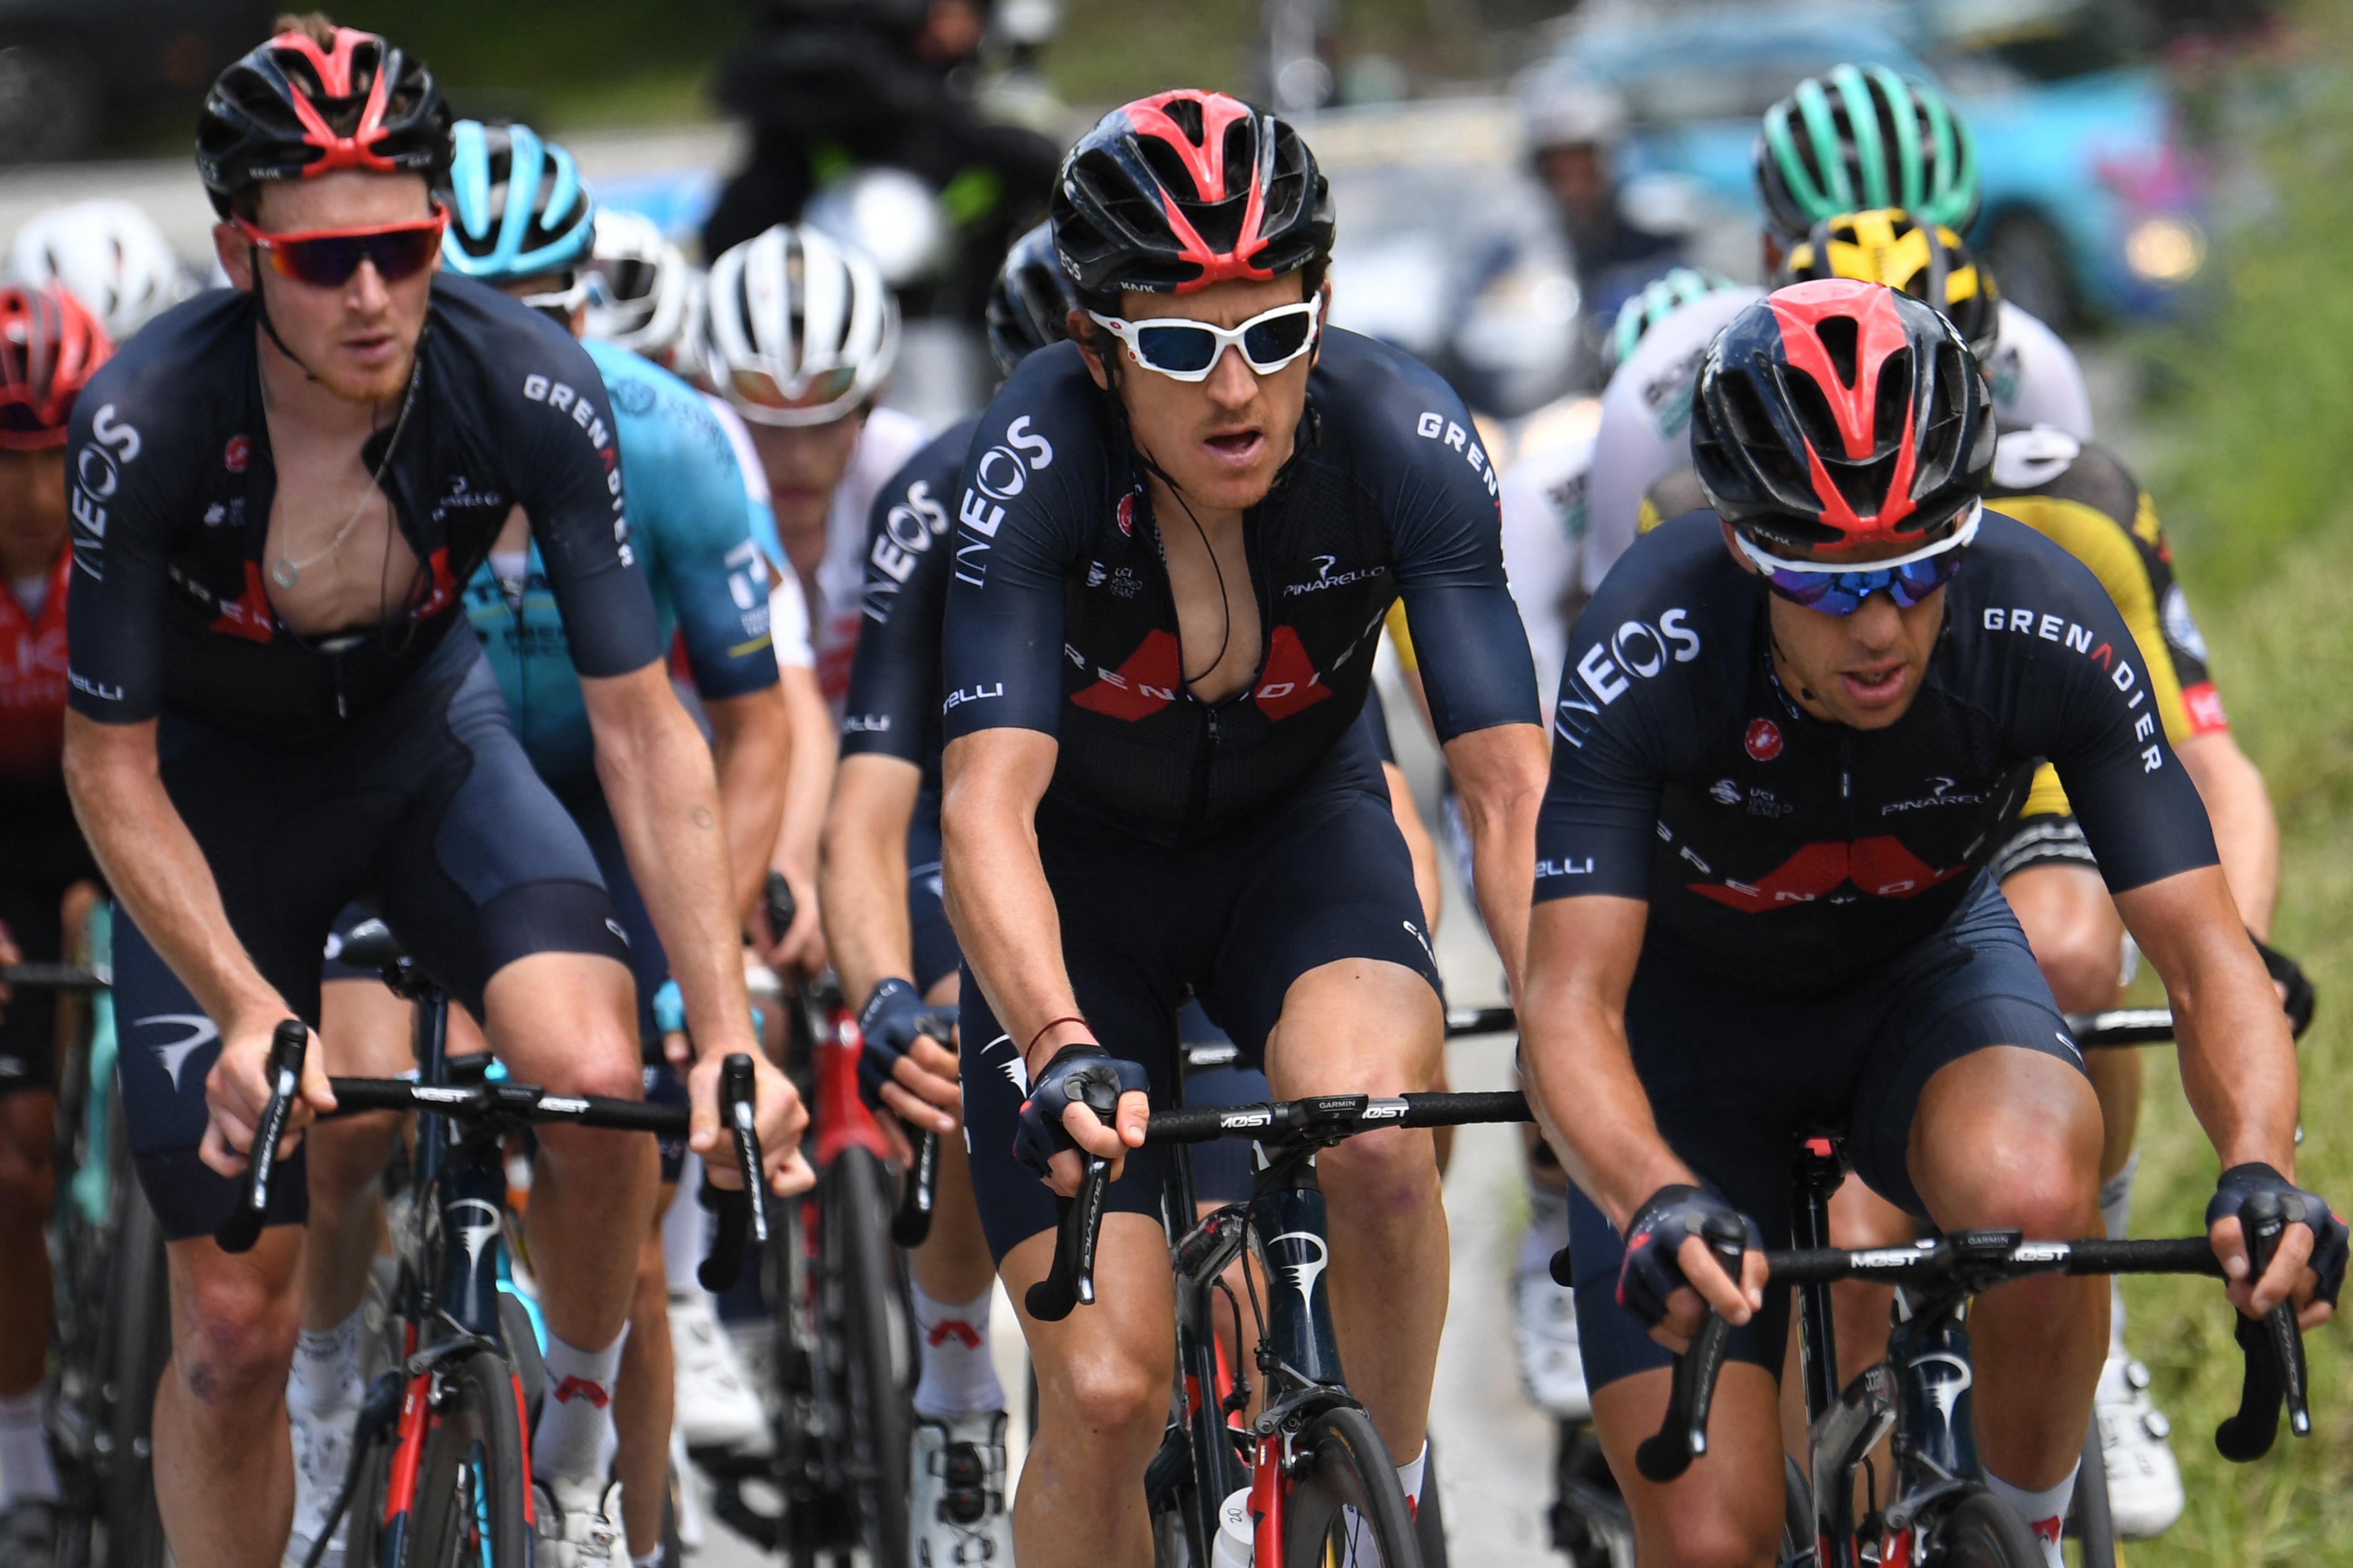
pixel 1104 1376
pixel 28 1183
pixel 365 1032
pixel 2010 1138
pixel 953 1264
pixel 2078 940
pixel 1726 1511
pixel 223 1464
pixel 568 1022
pixel 1364 1026
pixel 643 1399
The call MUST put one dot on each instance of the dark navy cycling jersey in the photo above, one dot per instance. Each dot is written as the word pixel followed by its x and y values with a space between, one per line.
pixel 1060 619
pixel 171 485
pixel 1797 854
pixel 893 707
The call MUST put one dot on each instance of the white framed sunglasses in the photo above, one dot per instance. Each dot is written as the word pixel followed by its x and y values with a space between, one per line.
pixel 1185 350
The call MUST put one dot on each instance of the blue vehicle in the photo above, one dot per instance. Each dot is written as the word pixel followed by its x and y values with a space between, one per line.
pixel 2090 207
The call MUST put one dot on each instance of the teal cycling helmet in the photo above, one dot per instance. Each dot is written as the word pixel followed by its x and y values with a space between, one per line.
pixel 1859 137
pixel 517 207
pixel 1660 298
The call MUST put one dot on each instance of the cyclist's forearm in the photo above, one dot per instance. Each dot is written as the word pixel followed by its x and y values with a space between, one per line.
pixel 862 881
pixel 1427 884
pixel 664 796
pixel 996 893
pixel 2246 832
pixel 157 869
pixel 1500 773
pixel 807 779
pixel 751 747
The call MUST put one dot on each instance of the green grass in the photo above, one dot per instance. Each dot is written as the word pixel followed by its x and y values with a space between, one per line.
pixel 2256 482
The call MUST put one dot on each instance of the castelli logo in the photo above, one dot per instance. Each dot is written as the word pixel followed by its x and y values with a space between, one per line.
pixel 239 448
pixel 1127 515
pixel 1763 739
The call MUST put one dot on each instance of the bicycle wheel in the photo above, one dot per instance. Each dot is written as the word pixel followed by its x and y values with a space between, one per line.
pixel 469 1500
pixel 142 1349
pixel 1979 1530
pixel 1346 1507
pixel 2090 1522
pixel 874 1320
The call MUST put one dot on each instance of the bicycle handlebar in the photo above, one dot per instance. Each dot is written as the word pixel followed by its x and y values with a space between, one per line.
pixel 742 1214
pixel 52 977
pixel 1078 1221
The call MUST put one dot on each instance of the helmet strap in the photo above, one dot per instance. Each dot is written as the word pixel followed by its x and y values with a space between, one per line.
pixel 262 305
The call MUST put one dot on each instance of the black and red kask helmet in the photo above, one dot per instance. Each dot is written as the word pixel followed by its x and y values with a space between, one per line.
pixel 1181 190
pixel 1838 413
pixel 294 109
pixel 49 344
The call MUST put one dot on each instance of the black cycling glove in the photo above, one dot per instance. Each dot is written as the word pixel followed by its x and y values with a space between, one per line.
pixel 1651 1272
pixel 2329 1234
pixel 1062 1083
pixel 888 1027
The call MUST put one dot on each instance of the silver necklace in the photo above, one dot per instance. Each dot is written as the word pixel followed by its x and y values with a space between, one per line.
pixel 286 572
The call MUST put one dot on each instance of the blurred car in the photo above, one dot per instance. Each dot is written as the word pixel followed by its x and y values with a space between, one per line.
pixel 1448 248
pixel 2090 205
pixel 72 69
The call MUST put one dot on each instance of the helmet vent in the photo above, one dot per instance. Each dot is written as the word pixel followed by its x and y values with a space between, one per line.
pixel 1187 114
pixel 1839 335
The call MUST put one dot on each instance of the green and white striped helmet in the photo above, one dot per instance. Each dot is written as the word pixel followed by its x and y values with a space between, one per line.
pixel 1859 137
pixel 1660 298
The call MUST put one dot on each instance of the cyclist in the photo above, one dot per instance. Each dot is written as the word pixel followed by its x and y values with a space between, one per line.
pixel 1574 126
pixel 48 346
pixel 1789 733
pixel 1150 790
pixel 799 334
pixel 2079 496
pixel 107 253
pixel 278 490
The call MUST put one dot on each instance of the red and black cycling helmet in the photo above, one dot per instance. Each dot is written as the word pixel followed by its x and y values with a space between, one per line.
pixel 1181 190
pixel 295 109
pixel 49 344
pixel 1838 413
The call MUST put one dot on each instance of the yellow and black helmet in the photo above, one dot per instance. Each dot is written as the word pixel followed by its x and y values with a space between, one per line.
pixel 1928 261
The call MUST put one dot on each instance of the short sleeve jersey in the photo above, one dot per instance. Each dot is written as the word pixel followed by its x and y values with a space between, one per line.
pixel 2035 379
pixel 1060 619
pixel 1796 854
pixel 893 708
pixel 170 482
pixel 836 616
pixel 692 525
pixel 33 681
pixel 1546 512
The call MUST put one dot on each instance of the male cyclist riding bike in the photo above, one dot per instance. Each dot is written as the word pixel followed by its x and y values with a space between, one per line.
pixel 1175 539
pixel 1786 735
pixel 48 346
pixel 278 490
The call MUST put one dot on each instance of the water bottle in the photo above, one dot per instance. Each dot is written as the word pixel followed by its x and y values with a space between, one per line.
pixel 1236 1531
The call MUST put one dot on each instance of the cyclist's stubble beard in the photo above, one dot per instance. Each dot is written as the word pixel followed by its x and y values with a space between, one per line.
pixel 1862 670
pixel 32 518
pixel 358 340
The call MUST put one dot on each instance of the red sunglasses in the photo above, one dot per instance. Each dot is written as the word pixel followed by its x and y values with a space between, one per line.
pixel 327 257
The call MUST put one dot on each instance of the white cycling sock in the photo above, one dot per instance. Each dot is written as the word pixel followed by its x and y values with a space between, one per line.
pixel 958 1378
pixel 2115 1216
pixel 326 1372
pixel 2044 1512
pixel 576 1437
pixel 27 1472
pixel 1409 1476
pixel 1548 1230
pixel 647 1561
pixel 686 1229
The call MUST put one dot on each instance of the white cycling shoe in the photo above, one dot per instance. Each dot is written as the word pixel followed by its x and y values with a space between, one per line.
pixel 579 1523
pixel 1552 1367
pixel 323 1452
pixel 2144 1483
pixel 716 1406
pixel 957 1481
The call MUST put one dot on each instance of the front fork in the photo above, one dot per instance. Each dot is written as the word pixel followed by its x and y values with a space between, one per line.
pixel 1926 1379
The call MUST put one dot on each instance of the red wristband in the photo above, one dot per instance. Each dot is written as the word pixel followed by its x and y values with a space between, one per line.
pixel 1068 1018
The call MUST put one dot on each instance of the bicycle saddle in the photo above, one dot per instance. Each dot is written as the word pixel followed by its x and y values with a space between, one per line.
pixel 372 945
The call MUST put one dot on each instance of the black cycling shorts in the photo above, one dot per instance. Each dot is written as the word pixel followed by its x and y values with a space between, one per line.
pixel 1234 922
pixel 425 809
pixel 2045 839
pixel 41 855
pixel 937 956
pixel 1735 1075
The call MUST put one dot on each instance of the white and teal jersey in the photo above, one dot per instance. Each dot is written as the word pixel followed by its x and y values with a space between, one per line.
pixel 690 525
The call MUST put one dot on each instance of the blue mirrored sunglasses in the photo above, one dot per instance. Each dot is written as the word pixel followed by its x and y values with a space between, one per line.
pixel 1833 590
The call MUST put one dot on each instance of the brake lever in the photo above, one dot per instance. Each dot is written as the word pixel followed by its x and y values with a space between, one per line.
pixel 1078 1226
pixel 1682 1436
pixel 242 1228
pixel 919 1191
pixel 2274 1349
pixel 742 1215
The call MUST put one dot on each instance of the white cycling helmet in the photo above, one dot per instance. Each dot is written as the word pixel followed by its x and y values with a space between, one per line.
pixel 1567 109
pixel 797 328
pixel 637 299
pixel 108 254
